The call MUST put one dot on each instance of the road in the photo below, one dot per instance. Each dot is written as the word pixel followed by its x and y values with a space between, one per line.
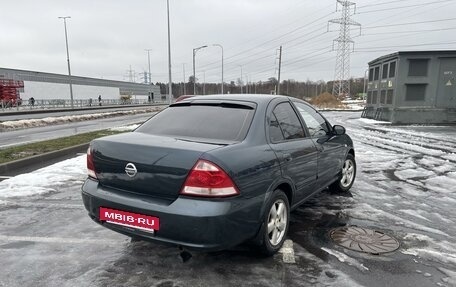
pixel 4 116
pixel 404 188
pixel 23 136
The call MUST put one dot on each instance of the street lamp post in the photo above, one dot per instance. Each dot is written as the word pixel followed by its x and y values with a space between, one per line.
pixel 149 78
pixel 68 59
pixel 184 91
pixel 221 47
pixel 194 76
pixel 170 88
pixel 241 78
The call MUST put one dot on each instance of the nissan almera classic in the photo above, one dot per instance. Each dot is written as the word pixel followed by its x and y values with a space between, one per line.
pixel 212 172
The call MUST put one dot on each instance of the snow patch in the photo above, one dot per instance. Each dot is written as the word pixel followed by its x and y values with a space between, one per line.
pixel 28 123
pixel 371 121
pixel 451 156
pixel 345 258
pixel 443 184
pixel 451 276
pixel 412 173
pixel 125 128
pixel 439 251
pixel 45 180
pixel 414 213
pixel 368 212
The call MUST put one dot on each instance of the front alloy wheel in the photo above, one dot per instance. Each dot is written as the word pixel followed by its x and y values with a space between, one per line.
pixel 347 175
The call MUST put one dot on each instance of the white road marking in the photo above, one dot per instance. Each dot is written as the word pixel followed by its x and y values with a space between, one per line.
pixel 288 252
pixel 60 240
pixel 5 177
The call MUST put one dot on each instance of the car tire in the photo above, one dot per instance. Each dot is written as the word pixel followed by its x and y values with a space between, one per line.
pixel 275 223
pixel 347 175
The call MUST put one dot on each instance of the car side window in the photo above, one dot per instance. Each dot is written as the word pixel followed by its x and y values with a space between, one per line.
pixel 275 132
pixel 315 123
pixel 285 120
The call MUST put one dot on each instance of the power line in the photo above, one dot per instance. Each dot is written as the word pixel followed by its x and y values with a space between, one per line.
pixel 407 32
pixel 410 45
pixel 402 7
pixel 275 39
pixel 383 3
pixel 410 23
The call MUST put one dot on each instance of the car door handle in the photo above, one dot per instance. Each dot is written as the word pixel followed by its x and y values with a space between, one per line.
pixel 286 157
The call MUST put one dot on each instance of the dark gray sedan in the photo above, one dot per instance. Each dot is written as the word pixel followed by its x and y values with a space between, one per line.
pixel 211 172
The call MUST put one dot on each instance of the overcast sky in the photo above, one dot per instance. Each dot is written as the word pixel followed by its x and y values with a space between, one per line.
pixel 107 36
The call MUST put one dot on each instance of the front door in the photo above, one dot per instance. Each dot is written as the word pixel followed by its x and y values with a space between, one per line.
pixel 331 151
pixel 446 92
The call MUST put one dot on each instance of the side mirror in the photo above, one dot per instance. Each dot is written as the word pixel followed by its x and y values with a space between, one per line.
pixel 338 130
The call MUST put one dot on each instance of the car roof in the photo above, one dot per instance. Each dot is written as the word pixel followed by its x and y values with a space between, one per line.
pixel 255 98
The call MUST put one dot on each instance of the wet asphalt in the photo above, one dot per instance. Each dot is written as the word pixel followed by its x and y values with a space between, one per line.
pixel 48 240
pixel 28 135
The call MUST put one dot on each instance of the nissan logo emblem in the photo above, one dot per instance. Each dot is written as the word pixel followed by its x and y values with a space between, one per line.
pixel 130 170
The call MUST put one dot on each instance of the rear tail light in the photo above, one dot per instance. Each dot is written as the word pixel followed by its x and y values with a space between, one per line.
pixel 208 180
pixel 90 166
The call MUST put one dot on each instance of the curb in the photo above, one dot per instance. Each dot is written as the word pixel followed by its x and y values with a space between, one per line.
pixel 41 159
pixel 336 110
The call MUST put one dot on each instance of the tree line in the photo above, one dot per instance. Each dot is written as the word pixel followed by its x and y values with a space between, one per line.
pixel 292 88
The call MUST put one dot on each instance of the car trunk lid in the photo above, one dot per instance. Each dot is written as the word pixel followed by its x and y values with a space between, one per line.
pixel 155 166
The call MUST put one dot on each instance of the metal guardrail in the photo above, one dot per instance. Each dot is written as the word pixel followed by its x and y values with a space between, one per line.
pixel 66 104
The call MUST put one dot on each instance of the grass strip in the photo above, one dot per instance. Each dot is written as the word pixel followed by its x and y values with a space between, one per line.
pixel 36 148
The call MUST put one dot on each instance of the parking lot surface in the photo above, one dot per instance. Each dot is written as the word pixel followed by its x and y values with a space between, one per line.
pixel 405 187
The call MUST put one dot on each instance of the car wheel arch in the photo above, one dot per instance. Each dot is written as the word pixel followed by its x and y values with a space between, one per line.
pixel 284 184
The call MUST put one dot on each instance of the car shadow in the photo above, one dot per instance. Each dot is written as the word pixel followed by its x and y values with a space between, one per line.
pixel 143 261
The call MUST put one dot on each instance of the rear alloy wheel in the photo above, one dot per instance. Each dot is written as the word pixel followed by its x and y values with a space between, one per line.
pixel 276 223
pixel 347 176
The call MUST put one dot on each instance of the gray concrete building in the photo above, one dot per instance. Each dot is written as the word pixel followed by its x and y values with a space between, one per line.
pixel 412 88
pixel 47 86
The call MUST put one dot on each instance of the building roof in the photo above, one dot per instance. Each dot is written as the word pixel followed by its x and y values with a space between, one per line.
pixel 34 76
pixel 407 53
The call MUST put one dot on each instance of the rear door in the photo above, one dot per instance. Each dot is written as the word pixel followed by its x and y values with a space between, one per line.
pixel 331 152
pixel 296 151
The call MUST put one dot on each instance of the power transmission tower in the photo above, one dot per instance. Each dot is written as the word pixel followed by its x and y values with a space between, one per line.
pixel 131 75
pixel 341 86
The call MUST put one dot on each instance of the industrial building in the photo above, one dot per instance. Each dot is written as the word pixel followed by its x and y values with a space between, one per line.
pixel 48 86
pixel 416 87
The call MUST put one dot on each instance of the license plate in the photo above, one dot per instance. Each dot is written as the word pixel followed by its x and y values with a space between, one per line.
pixel 130 219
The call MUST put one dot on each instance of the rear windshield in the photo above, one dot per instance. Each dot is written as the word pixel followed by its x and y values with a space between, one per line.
pixel 215 123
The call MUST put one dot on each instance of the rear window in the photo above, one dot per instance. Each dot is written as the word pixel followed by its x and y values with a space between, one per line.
pixel 214 123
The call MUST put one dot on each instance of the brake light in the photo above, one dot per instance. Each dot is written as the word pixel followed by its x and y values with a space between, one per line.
pixel 90 166
pixel 208 180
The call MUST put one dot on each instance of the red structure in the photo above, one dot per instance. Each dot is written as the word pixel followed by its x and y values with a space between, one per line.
pixel 9 93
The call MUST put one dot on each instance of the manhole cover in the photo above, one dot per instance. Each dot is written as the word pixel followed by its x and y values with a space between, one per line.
pixel 364 240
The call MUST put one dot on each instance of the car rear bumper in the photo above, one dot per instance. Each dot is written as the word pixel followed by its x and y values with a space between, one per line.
pixel 201 224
